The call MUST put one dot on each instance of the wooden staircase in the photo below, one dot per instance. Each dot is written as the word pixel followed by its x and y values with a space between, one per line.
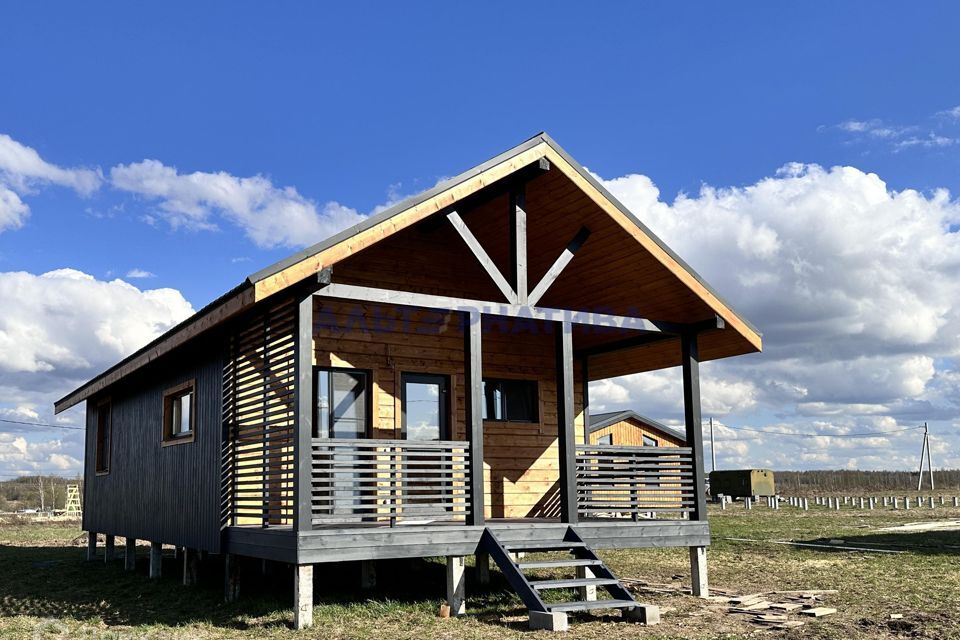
pixel 591 574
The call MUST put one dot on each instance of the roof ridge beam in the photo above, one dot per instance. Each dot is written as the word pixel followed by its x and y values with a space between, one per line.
pixel 482 256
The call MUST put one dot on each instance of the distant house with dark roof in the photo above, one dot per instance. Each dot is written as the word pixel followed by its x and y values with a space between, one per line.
pixel 629 428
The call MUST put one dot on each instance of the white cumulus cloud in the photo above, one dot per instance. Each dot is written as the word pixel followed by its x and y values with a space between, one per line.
pixel 855 286
pixel 22 171
pixel 58 330
pixel 271 216
pixel 70 324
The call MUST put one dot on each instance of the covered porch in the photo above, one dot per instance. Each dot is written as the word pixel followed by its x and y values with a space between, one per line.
pixel 317 496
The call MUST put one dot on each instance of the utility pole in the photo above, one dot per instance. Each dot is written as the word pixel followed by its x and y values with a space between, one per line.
pixel 40 484
pixel 713 449
pixel 925 452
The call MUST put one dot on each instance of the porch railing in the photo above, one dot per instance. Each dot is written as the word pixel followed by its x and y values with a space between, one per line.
pixel 389 481
pixel 615 480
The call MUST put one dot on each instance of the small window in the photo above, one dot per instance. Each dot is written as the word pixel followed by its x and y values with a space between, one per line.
pixel 510 400
pixel 650 442
pixel 426 406
pixel 342 403
pixel 607 439
pixel 104 425
pixel 179 414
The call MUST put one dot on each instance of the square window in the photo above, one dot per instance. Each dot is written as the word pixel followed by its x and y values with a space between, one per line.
pixel 510 400
pixel 179 414
pixel 342 399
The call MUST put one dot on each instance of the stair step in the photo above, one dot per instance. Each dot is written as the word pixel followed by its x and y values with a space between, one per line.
pixel 559 545
pixel 572 582
pixel 587 605
pixel 549 564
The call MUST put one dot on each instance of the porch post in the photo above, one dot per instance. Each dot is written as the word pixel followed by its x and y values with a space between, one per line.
pixel 694 432
pixel 585 395
pixel 303 398
pixel 691 412
pixel 565 421
pixel 473 395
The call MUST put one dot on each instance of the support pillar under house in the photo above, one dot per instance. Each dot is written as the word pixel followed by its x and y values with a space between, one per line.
pixel 231 577
pixel 456 585
pixel 156 559
pixel 483 568
pixel 303 596
pixel 191 566
pixel 109 549
pixel 368 574
pixel 91 546
pixel 130 554
pixel 699 584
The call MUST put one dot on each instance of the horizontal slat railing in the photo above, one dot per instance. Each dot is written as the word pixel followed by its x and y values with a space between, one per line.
pixel 614 480
pixel 389 481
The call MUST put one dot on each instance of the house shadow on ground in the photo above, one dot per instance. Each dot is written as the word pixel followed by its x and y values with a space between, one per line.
pixel 937 542
pixel 58 583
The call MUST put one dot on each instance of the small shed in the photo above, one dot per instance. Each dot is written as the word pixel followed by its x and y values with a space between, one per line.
pixel 742 483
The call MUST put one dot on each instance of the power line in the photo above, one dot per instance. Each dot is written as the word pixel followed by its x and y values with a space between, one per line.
pixel 824 435
pixel 43 424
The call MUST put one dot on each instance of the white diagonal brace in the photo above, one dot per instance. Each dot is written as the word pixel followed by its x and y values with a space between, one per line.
pixel 482 256
pixel 558 266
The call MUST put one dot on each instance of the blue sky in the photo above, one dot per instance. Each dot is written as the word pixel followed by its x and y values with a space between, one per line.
pixel 353 106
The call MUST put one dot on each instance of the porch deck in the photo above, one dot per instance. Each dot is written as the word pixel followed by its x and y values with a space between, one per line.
pixel 336 543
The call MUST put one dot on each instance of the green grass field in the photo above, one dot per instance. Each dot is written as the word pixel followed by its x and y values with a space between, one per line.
pixel 47 590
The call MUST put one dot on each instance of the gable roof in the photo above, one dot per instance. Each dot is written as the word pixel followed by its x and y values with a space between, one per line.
pixel 288 272
pixel 602 420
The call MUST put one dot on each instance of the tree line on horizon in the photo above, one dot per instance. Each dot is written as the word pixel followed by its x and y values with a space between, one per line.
pixel 839 480
pixel 24 492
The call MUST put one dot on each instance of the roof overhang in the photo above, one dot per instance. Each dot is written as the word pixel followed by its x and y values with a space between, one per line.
pixel 289 272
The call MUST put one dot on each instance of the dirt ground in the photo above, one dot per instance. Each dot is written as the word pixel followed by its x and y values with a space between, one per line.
pixel 48 591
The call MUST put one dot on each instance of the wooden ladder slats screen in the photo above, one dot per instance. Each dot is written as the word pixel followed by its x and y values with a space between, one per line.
pixel 259 419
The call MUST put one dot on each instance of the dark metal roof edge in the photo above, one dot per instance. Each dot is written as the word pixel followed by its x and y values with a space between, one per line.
pixel 153 343
pixel 617 416
pixel 388 213
pixel 625 211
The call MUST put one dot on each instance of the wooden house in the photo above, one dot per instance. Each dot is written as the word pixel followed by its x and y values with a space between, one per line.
pixel 415 386
pixel 629 428
pixel 645 438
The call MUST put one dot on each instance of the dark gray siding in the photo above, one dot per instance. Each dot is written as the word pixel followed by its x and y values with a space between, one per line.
pixel 165 494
